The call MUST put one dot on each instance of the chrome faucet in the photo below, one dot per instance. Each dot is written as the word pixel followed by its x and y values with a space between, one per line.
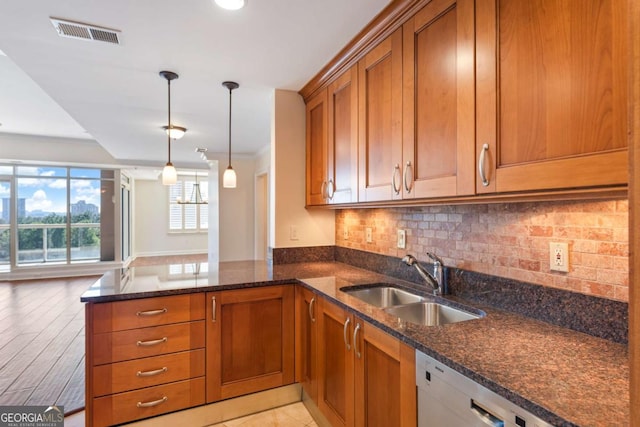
pixel 433 280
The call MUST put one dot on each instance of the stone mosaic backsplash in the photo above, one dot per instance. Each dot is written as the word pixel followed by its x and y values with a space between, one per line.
pixel 596 316
pixel 508 240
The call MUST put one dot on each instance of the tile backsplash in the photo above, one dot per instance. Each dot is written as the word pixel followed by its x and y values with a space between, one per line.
pixel 509 240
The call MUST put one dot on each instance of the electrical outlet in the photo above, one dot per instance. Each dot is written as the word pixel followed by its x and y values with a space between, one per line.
pixel 559 257
pixel 402 239
pixel 345 233
pixel 368 235
pixel 293 232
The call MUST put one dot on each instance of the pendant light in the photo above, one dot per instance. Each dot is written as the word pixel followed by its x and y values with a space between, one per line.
pixel 169 174
pixel 229 177
pixel 196 196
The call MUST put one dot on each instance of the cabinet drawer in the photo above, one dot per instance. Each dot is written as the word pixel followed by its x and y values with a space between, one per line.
pixel 150 371
pixel 145 312
pixel 149 402
pixel 136 343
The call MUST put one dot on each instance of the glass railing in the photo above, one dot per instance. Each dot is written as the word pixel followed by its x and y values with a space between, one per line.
pixel 47 243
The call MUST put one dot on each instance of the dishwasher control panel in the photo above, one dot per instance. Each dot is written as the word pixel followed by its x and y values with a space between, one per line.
pixel 448 398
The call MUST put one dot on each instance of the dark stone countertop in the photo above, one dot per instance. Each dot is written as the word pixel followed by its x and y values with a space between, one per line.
pixel 565 377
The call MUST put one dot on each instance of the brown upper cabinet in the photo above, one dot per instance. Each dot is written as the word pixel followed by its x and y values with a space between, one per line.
pixel 438 147
pixel 317 149
pixel 380 129
pixel 551 94
pixel 465 98
pixel 332 142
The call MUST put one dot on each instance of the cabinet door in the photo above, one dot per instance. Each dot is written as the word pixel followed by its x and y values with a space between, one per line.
pixel 551 94
pixel 335 365
pixel 306 333
pixel 380 121
pixel 385 390
pixel 342 167
pixel 250 340
pixel 317 149
pixel 438 103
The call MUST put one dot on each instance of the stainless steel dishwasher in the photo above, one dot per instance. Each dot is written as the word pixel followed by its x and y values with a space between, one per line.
pixel 447 398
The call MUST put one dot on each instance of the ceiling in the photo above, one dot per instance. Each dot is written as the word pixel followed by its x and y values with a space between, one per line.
pixel 57 86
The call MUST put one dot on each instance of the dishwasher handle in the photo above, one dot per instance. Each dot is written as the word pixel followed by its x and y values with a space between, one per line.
pixel 486 416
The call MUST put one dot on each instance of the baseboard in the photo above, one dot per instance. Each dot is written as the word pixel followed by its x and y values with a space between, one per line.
pixel 58 271
pixel 226 410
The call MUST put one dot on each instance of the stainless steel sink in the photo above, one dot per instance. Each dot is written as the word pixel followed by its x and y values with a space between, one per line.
pixel 430 314
pixel 384 296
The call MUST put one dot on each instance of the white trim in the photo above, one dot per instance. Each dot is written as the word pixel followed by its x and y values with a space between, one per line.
pixel 167 253
pixel 55 271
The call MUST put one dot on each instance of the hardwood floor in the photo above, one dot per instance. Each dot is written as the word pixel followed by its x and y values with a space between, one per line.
pixel 42 342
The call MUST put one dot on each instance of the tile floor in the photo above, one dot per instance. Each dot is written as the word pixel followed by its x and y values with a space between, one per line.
pixel 293 415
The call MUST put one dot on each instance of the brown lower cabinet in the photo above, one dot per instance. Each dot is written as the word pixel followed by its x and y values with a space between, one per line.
pixel 365 377
pixel 250 340
pixel 246 340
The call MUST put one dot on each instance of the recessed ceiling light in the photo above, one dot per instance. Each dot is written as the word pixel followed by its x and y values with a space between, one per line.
pixel 231 4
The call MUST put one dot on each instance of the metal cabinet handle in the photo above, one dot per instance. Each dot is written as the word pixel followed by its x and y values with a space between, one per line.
pixel 344 333
pixel 483 175
pixel 213 309
pixel 396 172
pixel 408 183
pixel 311 303
pixel 151 312
pixel 150 404
pixel 151 373
pixel 331 186
pixel 150 343
pixel 355 340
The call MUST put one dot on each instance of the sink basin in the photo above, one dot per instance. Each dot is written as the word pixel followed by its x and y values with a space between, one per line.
pixel 384 296
pixel 430 314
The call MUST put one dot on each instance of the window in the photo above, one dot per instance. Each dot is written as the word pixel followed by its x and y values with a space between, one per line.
pixel 54 215
pixel 188 217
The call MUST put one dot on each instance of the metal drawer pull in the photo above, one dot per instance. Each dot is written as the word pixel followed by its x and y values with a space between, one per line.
pixel 396 171
pixel 150 343
pixel 151 373
pixel 311 303
pixel 150 404
pixel 486 416
pixel 213 309
pixel 344 333
pixel 355 340
pixel 483 175
pixel 151 312
pixel 408 183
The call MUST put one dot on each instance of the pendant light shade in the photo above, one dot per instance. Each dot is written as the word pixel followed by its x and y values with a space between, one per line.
pixel 229 177
pixel 169 174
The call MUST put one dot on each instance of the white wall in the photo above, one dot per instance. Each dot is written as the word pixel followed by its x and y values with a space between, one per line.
pixel 236 218
pixel 151 224
pixel 315 227
pixel 237 211
pixel 67 151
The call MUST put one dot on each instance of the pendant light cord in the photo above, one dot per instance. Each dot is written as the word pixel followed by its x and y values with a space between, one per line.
pixel 230 90
pixel 169 121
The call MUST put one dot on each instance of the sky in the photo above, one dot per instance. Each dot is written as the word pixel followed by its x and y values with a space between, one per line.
pixel 45 188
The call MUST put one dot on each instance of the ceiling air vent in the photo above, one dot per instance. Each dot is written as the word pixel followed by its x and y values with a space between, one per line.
pixel 78 30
